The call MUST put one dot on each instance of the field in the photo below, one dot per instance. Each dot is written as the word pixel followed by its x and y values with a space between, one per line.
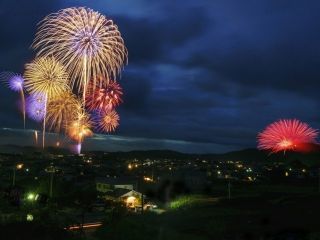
pixel 255 212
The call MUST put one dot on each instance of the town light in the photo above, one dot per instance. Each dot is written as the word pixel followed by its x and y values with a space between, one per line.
pixel 148 179
pixel 131 201
pixel 29 217
pixel 31 196
pixel 19 166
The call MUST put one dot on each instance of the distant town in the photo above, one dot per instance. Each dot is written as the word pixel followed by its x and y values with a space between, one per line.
pixel 93 183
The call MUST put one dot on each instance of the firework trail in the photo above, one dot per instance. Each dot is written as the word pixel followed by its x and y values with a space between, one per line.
pixel 36 137
pixel 286 134
pixel 86 42
pixel 16 83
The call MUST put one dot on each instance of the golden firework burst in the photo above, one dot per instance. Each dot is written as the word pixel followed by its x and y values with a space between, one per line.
pixel 80 127
pixel 61 111
pixel 109 121
pixel 85 41
pixel 46 76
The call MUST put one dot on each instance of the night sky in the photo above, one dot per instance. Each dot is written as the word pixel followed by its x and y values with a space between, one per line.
pixel 203 75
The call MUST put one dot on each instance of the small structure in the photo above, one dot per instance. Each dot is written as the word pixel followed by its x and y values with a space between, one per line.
pixel 105 185
pixel 120 190
pixel 131 198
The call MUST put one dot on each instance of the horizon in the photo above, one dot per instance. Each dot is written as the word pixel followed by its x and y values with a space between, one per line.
pixel 13 136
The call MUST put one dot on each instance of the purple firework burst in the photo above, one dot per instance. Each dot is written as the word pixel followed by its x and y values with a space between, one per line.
pixel 13 80
pixel 16 83
pixel 36 107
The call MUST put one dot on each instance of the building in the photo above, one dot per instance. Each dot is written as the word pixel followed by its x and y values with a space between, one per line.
pixel 105 185
pixel 131 198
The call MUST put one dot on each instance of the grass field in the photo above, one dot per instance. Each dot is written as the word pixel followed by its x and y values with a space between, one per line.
pixel 255 212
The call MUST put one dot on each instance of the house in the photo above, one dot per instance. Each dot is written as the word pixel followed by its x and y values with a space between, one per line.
pixel 120 190
pixel 105 185
pixel 131 198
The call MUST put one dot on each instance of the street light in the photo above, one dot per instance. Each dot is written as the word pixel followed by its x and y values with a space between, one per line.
pixel 29 217
pixel 31 196
pixel 19 166
pixel 51 169
pixel 16 167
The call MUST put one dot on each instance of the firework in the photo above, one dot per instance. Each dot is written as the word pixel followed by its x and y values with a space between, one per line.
pixel 61 111
pixel 36 107
pixel 16 83
pixel 286 135
pixel 109 121
pixel 78 148
pixel 85 41
pixel 79 128
pixel 106 98
pixel 46 76
pixel 12 80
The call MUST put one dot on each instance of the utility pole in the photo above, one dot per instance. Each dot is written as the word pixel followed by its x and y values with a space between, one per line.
pixel 229 190
pixel 51 170
pixel 14 176
pixel 15 168
pixel 142 203
pixel 319 181
pixel 51 184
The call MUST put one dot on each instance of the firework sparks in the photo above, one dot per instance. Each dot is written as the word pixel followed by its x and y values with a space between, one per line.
pixel 286 135
pixel 62 110
pixel 85 41
pixel 109 121
pixel 36 107
pixel 104 99
pixel 46 76
pixel 78 148
pixel 79 128
pixel 16 83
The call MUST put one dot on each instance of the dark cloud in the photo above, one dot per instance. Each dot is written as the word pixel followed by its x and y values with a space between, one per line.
pixel 151 39
pixel 275 46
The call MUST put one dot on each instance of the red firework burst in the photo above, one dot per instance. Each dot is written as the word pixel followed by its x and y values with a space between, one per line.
pixel 104 98
pixel 109 121
pixel 286 134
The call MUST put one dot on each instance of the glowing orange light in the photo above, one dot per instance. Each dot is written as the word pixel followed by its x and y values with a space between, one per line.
pixel 148 179
pixel 80 127
pixel 87 225
pixel 19 166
